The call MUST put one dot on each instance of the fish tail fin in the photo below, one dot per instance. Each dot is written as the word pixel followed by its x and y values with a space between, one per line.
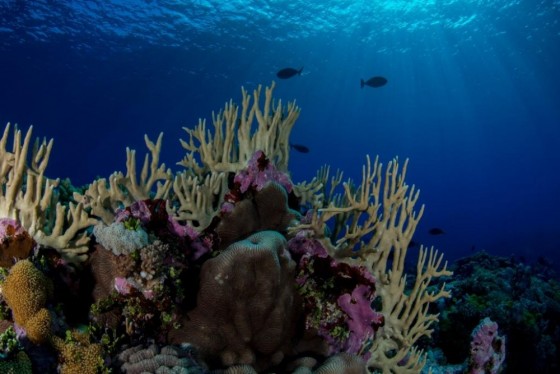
pixel 362 83
pixel 300 70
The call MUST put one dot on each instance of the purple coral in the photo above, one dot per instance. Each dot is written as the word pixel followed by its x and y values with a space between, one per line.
pixel 302 244
pixel 488 349
pixel 259 171
pixel 138 210
pixel 337 297
pixel 361 316
pixel 152 216
pixel 10 227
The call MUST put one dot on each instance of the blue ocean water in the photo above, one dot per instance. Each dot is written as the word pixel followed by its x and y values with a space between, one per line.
pixel 473 95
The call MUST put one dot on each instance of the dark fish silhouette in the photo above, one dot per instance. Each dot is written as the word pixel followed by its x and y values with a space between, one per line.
pixel 436 231
pixel 300 148
pixel 373 82
pixel 288 73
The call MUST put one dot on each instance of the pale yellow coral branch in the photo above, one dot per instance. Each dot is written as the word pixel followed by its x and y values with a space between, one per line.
pixel 234 139
pixel 35 205
pixel 103 198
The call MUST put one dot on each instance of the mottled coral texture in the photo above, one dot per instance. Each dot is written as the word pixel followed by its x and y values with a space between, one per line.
pixel 488 349
pixel 15 242
pixel 259 172
pixel 155 359
pixel 267 209
pixel 246 305
pixel 119 239
pixel 218 230
pixel 19 365
pixel 78 355
pixel 337 298
pixel 105 268
pixel 26 291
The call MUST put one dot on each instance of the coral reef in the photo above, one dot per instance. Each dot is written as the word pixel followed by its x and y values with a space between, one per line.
pixel 352 229
pixel 220 256
pixel 523 299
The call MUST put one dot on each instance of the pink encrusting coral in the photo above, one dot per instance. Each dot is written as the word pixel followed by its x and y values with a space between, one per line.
pixel 362 318
pixel 301 244
pixel 488 349
pixel 337 297
pixel 138 210
pixel 259 171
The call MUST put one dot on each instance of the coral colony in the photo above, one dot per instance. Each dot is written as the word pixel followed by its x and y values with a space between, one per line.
pixel 226 266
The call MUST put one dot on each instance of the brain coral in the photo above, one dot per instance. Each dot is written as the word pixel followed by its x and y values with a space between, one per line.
pixel 26 290
pixel 153 359
pixel 246 308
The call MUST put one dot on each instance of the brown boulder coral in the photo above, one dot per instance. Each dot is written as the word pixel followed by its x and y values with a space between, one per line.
pixel 267 210
pixel 246 307
pixel 104 267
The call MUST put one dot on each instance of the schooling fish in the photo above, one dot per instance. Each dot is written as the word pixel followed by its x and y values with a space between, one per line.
pixel 436 231
pixel 299 148
pixel 288 73
pixel 373 82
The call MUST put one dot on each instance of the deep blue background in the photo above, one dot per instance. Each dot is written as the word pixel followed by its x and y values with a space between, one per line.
pixel 473 97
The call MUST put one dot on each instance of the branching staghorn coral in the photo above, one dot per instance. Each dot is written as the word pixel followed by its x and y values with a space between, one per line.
pixel 373 225
pixel 228 147
pixel 314 193
pixel 236 139
pixel 196 199
pixel 103 198
pixel 29 197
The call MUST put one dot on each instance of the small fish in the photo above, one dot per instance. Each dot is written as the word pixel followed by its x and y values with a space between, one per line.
pixel 300 148
pixel 288 73
pixel 436 231
pixel 373 82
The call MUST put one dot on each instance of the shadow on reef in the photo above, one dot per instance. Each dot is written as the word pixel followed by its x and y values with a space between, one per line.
pixel 523 299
